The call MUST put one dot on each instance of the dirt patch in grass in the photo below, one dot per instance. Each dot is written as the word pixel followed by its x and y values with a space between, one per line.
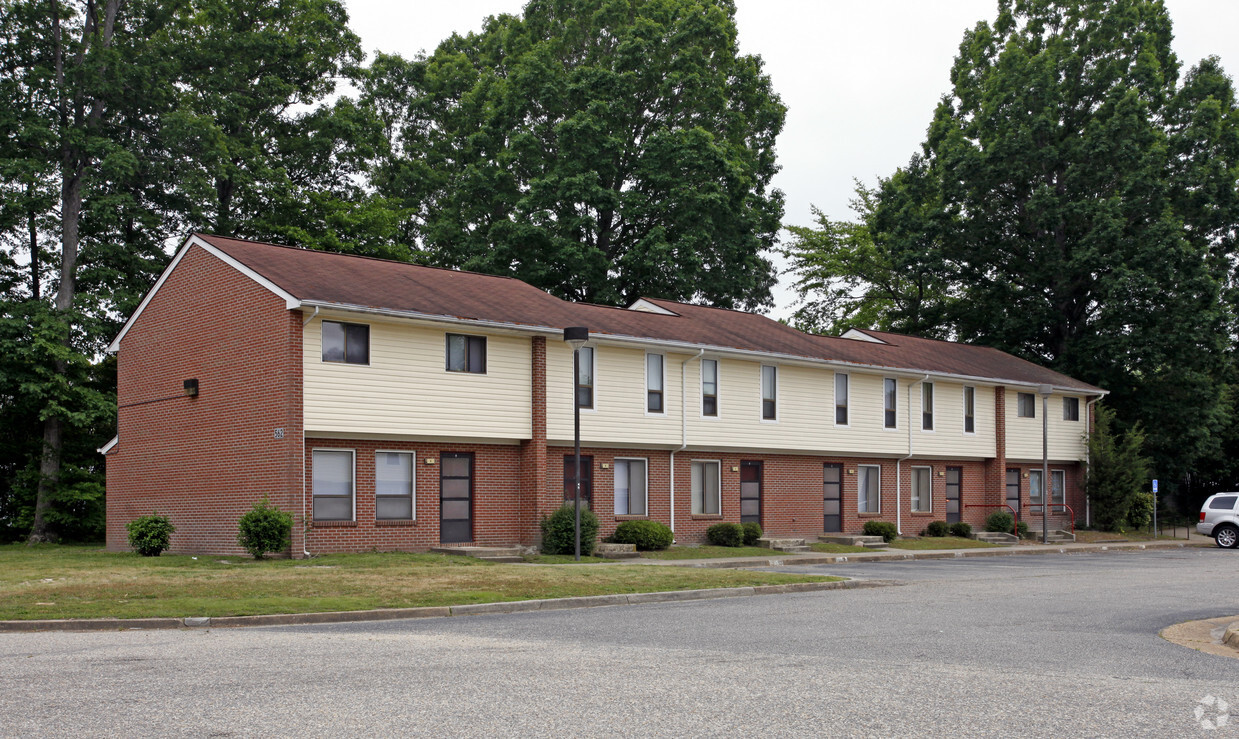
pixel 1101 537
pixel 85 582
pixel 711 552
pixel 940 542
pixel 828 548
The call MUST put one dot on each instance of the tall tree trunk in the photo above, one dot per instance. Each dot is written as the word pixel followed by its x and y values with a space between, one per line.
pixel 36 267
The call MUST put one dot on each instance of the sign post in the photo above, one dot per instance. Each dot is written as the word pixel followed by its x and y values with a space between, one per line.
pixel 1155 509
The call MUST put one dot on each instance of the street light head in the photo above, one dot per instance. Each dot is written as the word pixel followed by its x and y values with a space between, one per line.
pixel 576 336
pixel 1045 390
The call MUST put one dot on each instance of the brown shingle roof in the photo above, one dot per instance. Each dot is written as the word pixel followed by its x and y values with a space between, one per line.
pixel 382 284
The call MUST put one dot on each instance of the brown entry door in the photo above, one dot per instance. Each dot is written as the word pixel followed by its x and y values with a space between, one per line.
pixel 832 498
pixel 455 497
pixel 954 481
pixel 750 492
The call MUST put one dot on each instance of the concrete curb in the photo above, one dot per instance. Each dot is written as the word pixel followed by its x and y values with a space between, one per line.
pixel 391 614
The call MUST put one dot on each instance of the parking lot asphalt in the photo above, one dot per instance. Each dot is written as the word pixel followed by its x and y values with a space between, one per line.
pixel 1062 645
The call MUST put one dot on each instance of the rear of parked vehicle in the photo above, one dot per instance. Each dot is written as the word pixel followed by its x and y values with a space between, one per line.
pixel 1219 519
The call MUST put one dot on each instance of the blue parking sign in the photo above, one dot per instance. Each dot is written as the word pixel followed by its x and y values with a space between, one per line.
pixel 1155 486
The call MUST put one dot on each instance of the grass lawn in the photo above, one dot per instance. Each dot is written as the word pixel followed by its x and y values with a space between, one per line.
pixel 940 542
pixel 828 548
pixel 707 551
pixel 564 559
pixel 52 581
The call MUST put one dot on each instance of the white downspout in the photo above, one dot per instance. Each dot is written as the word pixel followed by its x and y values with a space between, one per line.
pixel 899 462
pixel 1088 435
pixel 683 426
pixel 305 530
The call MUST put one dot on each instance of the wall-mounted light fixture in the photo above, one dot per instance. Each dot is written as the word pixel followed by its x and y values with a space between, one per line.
pixel 191 387
pixel 606 466
pixel 430 460
pixel 851 472
pixel 941 473
pixel 735 468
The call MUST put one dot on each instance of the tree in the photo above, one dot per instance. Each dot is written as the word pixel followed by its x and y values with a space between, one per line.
pixel 600 149
pixel 1082 211
pixel 1118 473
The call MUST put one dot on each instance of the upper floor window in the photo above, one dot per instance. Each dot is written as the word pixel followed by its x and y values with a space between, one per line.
pixel 654 383
pixel 1071 409
pixel 1026 405
pixel 585 377
pixel 889 387
pixel 970 410
pixel 466 353
pixel 927 406
pixel 841 399
pixel 769 392
pixel 709 387
pixel 346 342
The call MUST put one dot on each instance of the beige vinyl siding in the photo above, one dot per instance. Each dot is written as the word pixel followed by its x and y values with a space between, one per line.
pixel 948 438
pixel 406 390
pixel 618 415
pixel 1066 438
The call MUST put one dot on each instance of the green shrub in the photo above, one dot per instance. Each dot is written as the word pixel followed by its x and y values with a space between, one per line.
pixel 961 529
pixel 1022 528
pixel 265 528
pixel 648 536
pixel 1000 521
pixel 752 532
pixel 1140 514
pixel 150 535
pixel 937 528
pixel 884 529
pixel 559 532
pixel 726 534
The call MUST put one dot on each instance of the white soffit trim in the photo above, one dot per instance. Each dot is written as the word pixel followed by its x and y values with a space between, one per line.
pixel 858 335
pixel 108 446
pixel 290 301
pixel 642 305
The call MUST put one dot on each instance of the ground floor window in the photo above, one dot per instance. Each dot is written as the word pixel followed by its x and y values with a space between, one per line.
pixel 630 487
pixel 332 484
pixel 868 477
pixel 394 486
pixel 1058 487
pixel 922 499
pixel 706 488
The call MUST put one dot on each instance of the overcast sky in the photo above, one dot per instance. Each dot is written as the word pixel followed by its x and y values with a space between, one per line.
pixel 860 79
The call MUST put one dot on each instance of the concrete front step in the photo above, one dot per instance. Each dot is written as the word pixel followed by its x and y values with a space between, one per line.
pixel 490 554
pixel 783 545
pixel 995 537
pixel 616 551
pixel 853 540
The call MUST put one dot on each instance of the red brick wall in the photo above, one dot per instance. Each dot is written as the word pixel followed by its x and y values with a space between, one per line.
pixel 204 461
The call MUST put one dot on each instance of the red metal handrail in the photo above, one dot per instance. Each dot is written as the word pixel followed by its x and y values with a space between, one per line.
pixel 1071 515
pixel 1014 513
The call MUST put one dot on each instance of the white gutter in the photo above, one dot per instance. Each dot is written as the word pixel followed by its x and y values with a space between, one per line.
pixel 899 463
pixel 683 431
pixel 1088 434
pixel 305 530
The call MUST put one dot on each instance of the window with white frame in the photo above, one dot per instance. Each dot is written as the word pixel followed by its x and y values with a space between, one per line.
pixel 970 410
pixel 709 387
pixel 705 486
pixel 630 487
pixel 1071 409
pixel 1026 405
pixel 654 383
pixel 332 475
pixel 841 399
pixel 394 486
pixel 466 354
pixel 868 486
pixel 927 406
pixel 769 392
pixel 346 342
pixel 585 377
pixel 922 490
pixel 890 418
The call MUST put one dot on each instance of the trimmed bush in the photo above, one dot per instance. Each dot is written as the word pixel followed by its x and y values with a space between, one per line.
pixel 150 535
pixel 1022 528
pixel 752 532
pixel 265 529
pixel 1000 521
pixel 559 532
pixel 884 529
pixel 961 529
pixel 937 529
pixel 647 536
pixel 726 535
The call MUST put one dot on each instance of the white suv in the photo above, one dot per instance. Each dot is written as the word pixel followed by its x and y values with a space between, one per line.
pixel 1219 519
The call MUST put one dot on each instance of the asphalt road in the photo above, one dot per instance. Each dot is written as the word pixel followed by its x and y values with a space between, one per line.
pixel 1061 645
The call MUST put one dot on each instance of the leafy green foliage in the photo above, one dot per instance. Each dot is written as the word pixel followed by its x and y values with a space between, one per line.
pixel 937 528
pixel 1000 522
pixel 264 529
pixel 559 532
pixel 647 536
pixel 1118 473
pixel 961 529
pixel 150 535
pixel 752 532
pixel 599 149
pixel 884 529
pixel 726 534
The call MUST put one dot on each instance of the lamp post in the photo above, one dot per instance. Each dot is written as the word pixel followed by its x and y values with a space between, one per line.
pixel 1045 391
pixel 576 336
